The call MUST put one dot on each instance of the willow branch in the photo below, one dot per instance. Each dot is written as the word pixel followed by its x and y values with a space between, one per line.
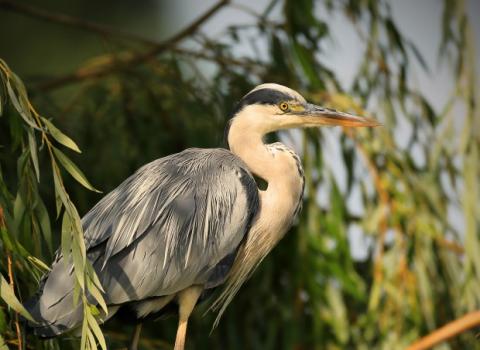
pixel 60 18
pixel 384 199
pixel 252 65
pixel 131 59
pixel 451 329
pixel 450 245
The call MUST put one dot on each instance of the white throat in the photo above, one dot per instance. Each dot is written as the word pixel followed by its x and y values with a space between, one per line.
pixel 279 203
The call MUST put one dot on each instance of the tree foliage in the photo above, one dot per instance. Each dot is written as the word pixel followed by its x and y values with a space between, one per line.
pixel 142 100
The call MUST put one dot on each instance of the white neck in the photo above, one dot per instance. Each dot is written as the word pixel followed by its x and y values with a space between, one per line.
pixel 278 167
pixel 246 141
pixel 248 145
pixel 276 164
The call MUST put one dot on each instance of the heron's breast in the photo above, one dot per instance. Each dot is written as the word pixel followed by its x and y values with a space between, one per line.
pixel 284 194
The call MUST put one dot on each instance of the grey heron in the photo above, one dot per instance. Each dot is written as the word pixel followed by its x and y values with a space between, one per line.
pixel 193 221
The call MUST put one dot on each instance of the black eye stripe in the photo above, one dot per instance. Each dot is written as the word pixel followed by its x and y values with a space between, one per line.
pixel 266 96
pixel 262 97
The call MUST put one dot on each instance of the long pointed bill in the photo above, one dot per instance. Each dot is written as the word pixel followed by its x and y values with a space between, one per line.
pixel 316 115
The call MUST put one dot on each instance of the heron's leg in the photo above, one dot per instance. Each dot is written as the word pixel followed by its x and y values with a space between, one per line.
pixel 187 299
pixel 135 337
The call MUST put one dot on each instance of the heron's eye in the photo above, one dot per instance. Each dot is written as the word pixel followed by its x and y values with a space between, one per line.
pixel 283 106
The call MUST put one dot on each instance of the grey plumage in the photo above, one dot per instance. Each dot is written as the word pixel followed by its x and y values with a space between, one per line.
pixel 189 222
pixel 176 222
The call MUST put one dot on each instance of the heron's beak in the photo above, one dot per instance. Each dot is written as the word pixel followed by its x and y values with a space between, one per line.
pixel 315 116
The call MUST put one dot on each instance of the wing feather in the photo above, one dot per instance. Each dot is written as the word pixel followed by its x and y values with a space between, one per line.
pixel 177 221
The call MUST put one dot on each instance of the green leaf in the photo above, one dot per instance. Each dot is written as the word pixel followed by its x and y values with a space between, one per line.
pixel 22 108
pixel 5 239
pixel 3 344
pixel 395 38
pixel 60 136
pixel 337 305
pixel 418 56
pixel 93 324
pixel 94 310
pixel 44 222
pixel 73 170
pixel 99 298
pixel 8 295
pixel 92 344
pixel 79 265
pixel 10 243
pixel 66 236
pixel 39 263
pixel 375 294
pixel 61 196
pixel 93 275
pixel 84 332
pixel 18 211
pixel 3 323
pixel 33 153
pixel 470 203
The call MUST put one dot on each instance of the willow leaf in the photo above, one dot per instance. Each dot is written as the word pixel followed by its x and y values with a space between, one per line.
pixel 98 297
pixel 8 295
pixel 60 136
pixel 84 332
pixel 32 143
pixel 21 108
pixel 39 263
pixel 44 222
pixel 93 324
pixel 73 169
pixel 3 344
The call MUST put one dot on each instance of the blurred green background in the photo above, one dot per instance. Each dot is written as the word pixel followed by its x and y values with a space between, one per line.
pixel 387 247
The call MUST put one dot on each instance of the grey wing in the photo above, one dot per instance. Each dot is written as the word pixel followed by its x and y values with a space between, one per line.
pixel 177 221
pixel 180 217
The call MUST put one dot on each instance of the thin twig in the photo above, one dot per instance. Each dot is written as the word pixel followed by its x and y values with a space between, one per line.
pixel 11 282
pixel 131 59
pixel 55 17
pixel 451 329
pixel 384 199
pixel 246 9
pixel 251 65
pixel 451 245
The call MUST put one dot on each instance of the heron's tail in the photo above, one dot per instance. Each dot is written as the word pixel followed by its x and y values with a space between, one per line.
pixel 53 307
pixel 53 320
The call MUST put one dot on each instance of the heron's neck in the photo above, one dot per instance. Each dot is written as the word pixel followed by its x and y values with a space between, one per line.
pixel 251 149
pixel 278 166
pixel 279 203
pixel 247 143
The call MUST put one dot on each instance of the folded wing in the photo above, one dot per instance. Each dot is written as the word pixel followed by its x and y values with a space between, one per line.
pixel 177 221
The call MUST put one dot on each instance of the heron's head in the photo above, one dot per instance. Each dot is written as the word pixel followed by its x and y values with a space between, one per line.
pixel 271 107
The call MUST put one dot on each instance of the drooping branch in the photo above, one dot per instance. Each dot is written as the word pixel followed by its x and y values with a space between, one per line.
pixel 251 65
pixel 130 59
pixel 106 31
pixel 60 18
